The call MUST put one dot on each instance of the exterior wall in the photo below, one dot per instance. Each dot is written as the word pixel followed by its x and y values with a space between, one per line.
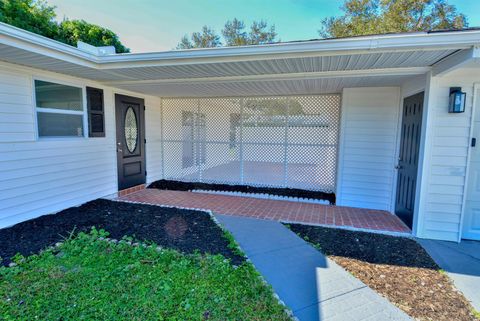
pixel 447 141
pixel 41 176
pixel 368 147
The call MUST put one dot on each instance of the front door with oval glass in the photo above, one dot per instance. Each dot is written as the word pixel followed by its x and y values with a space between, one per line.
pixel 130 141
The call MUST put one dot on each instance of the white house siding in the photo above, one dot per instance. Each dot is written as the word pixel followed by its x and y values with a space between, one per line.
pixel 368 147
pixel 44 176
pixel 447 145
pixel 16 118
pixel 153 133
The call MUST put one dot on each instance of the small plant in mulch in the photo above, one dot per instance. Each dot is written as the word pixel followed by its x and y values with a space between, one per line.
pixel 396 267
pixel 92 277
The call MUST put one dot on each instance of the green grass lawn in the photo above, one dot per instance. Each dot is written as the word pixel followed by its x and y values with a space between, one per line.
pixel 87 278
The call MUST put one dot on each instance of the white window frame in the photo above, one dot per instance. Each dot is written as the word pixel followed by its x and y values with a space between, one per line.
pixel 83 112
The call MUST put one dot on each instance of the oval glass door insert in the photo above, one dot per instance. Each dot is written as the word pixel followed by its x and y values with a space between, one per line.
pixel 131 130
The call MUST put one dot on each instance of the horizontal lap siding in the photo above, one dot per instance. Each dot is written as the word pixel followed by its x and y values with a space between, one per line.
pixel 16 117
pixel 39 177
pixel 446 160
pixel 368 147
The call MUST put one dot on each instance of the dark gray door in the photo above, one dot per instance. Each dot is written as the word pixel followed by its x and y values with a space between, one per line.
pixel 408 157
pixel 130 141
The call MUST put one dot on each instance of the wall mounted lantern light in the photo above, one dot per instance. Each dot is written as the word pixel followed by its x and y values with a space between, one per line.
pixel 456 103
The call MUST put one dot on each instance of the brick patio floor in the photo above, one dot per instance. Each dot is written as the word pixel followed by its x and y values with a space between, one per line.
pixel 279 210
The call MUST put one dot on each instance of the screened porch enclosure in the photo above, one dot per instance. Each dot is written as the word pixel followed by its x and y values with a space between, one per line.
pixel 281 141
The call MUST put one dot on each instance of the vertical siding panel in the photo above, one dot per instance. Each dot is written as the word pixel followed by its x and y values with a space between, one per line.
pixel 370 116
pixel 153 136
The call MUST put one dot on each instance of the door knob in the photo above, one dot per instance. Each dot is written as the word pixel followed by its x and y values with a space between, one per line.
pixel 398 167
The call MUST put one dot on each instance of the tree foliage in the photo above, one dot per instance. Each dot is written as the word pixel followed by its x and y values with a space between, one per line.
pixel 34 16
pixel 72 31
pixel 364 17
pixel 234 34
pixel 38 17
pixel 207 38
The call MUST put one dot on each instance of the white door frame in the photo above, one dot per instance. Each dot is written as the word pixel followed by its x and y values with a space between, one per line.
pixel 476 87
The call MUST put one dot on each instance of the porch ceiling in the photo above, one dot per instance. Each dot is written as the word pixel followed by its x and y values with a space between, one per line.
pixel 309 67
pixel 259 88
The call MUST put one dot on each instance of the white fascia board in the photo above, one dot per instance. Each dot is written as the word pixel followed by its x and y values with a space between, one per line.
pixel 455 61
pixel 328 47
pixel 19 38
pixel 285 76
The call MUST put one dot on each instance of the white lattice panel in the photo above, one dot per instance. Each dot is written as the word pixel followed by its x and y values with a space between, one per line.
pixel 222 116
pixel 224 167
pixel 267 141
pixel 174 163
pixel 312 167
pixel 264 164
pixel 174 113
pixel 264 119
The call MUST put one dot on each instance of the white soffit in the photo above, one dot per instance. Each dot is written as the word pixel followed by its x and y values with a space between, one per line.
pixel 363 61
pixel 261 88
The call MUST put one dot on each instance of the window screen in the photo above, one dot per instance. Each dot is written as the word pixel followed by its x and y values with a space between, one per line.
pixel 57 96
pixel 56 125
pixel 60 110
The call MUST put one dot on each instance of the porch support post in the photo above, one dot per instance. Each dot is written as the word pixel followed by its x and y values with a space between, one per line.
pixel 285 145
pixel 198 142
pixel 424 156
pixel 162 143
pixel 242 104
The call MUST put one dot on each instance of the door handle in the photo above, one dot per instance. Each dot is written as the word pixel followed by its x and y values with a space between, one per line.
pixel 398 167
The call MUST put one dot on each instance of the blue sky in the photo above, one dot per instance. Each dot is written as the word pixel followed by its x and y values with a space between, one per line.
pixel 158 25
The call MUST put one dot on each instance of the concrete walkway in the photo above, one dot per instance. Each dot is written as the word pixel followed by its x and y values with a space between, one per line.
pixel 461 261
pixel 311 285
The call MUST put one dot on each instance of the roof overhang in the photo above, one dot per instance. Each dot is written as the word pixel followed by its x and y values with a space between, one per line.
pixel 463 58
pixel 297 67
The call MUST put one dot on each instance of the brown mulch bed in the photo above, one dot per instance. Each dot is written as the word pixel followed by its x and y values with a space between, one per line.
pixel 396 267
pixel 185 230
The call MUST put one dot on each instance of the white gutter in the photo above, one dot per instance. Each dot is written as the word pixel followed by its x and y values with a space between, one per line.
pixel 19 38
pixel 383 43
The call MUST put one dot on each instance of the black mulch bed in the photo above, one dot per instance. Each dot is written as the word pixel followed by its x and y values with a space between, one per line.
pixel 184 230
pixel 289 192
pixel 367 247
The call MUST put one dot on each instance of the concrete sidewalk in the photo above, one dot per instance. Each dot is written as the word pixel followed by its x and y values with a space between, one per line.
pixel 311 285
pixel 461 261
